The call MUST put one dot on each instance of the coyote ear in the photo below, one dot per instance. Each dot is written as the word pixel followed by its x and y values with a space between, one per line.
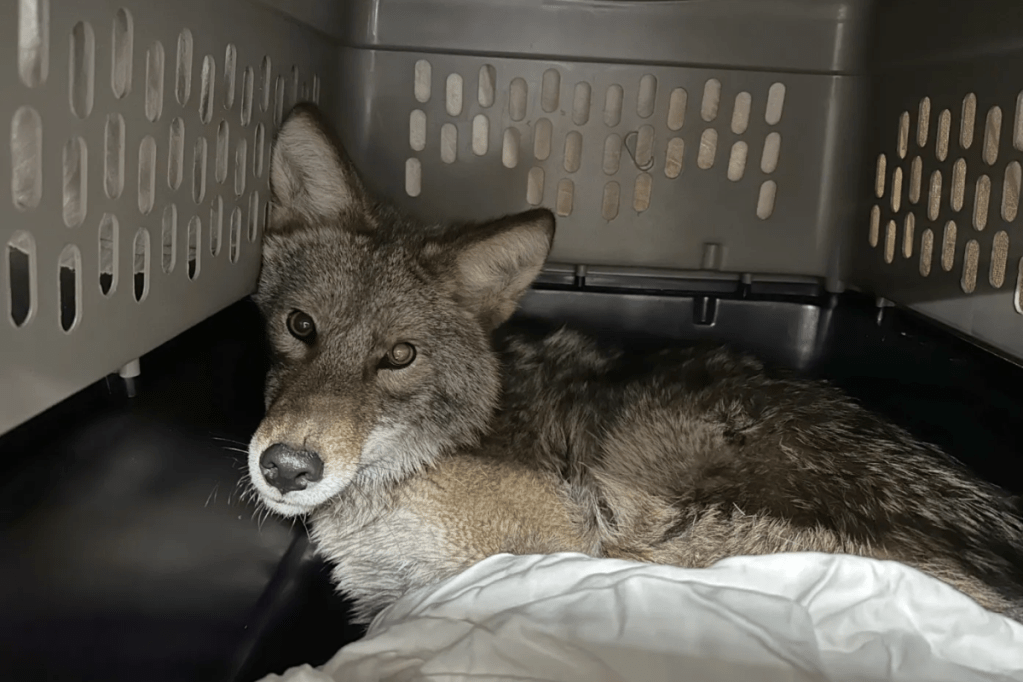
pixel 310 177
pixel 495 263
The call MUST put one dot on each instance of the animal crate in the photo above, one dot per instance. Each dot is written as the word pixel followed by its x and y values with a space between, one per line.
pixel 741 170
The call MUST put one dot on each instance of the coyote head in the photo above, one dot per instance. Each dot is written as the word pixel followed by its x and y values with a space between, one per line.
pixel 379 325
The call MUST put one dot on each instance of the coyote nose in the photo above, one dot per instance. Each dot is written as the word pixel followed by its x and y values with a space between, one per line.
pixel 287 469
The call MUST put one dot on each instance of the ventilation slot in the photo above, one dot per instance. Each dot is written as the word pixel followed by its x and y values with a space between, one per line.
pixel 417 130
pixel 765 202
pixel 108 229
pixel 534 186
pixel 453 95
pixel 208 88
pixel 154 82
pixel 517 101
pixel 221 161
pixel 70 287
pixel 1010 191
pixel 740 114
pixel 968 281
pixel 926 252
pixel 916 171
pixel 248 85
pixel 194 235
pixel 641 192
pixel 265 83
pixel 253 216
pixel 147 174
pixel 448 143
pixel 775 104
pixel 737 161
pixel 647 96
pixel 982 202
pixel 235 236
pixel 958 192
pixel 581 104
pixel 26 158
pixel 241 155
pixel 609 204
pixel 230 74
pixel 550 90
pixel 875 226
pixel 83 69
pixel 923 123
pixel 992 135
pixel 889 242
pixel 948 247
pixel 772 152
pixel 934 196
pixel 176 155
pixel 480 135
pixel 999 258
pixel 969 121
pixel 674 157
pixel 612 154
pixel 169 238
pixel 21 277
pixel 907 236
pixel 33 42
pixel 677 108
pixel 573 151
pixel 543 131
pixel 487 88
pixel 944 130
pixel 183 71
pixel 258 147
pixel 566 192
pixel 216 226
pixel 880 178
pixel 199 171
pixel 76 187
pixel 413 177
pixel 113 158
pixel 141 265
pixel 123 40
pixel 510 148
pixel 711 100
pixel 708 149
pixel 903 141
pixel 613 106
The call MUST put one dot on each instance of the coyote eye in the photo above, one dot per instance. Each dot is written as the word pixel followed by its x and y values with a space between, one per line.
pixel 301 326
pixel 401 355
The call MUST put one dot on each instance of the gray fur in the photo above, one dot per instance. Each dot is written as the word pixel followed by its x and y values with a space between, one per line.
pixel 501 439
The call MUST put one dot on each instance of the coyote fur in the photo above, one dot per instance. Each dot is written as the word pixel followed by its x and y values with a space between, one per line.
pixel 421 431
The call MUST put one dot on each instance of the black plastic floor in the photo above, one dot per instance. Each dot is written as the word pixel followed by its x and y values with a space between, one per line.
pixel 128 555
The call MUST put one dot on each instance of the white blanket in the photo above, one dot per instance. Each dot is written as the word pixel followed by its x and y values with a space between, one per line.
pixel 568 618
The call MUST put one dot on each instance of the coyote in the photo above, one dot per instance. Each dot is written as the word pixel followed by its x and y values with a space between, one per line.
pixel 421 431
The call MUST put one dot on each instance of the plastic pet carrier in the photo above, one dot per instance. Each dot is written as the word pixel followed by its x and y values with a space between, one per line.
pixel 833 184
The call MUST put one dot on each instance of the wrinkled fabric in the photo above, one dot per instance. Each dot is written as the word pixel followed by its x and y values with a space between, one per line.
pixel 572 618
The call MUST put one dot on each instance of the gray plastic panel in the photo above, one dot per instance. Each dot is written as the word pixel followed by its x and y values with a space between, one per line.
pixel 676 172
pixel 104 140
pixel 821 36
pixel 959 261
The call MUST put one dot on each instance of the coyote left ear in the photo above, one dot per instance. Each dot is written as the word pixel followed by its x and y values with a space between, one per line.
pixel 494 264
pixel 310 177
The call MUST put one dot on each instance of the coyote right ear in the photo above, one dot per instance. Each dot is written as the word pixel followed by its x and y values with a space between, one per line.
pixel 310 177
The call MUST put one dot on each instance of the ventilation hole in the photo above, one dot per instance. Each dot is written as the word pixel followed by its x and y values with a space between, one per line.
pixel 230 73
pixel 907 235
pixel 992 135
pixel 1010 191
pixel 21 274
pixel 1018 299
pixel 647 96
pixel 517 100
pixel 123 40
pixel 316 90
pixel 83 69
pixel 581 104
pixel 183 69
pixel 969 121
pixel 1017 125
pixel 740 114
pixel 881 176
pixel 509 148
pixel 875 226
pixel 266 214
pixel 916 171
pixel 33 41
pixel 194 235
pixel 971 254
pixel 453 95
pixel 199 171
pixel 765 203
pixel 674 156
pixel 481 135
pixel 176 154
pixel 241 156
pixel 235 237
pixel 958 190
pixel 903 134
pixel 26 158
pixel 141 264
pixel 294 85
pixel 543 131
pixel 999 257
pixel 641 193
pixel 889 242
pixel 487 88
pixel 948 247
pixel 612 153
pixel 981 202
pixel 413 177
pixel 534 186
pixel 107 254
pixel 711 100
pixel 926 252
pixel 737 161
pixel 645 148
pixel 76 181
pixel 265 77
pixel 944 130
pixel 775 104
pixel 253 216
pixel 278 101
pixel 609 204
pixel 208 85
pixel 677 108
pixel 223 147
pixel 147 174
pixel 448 143
pixel 169 237
pixel 258 147
pixel 417 130
pixel 934 196
pixel 923 123
pixel 113 157
pixel 772 152
pixel 573 151
pixel 248 85
pixel 613 108
pixel 216 225
pixel 550 90
pixel 154 82
pixel 566 192
pixel 70 286
pixel 708 148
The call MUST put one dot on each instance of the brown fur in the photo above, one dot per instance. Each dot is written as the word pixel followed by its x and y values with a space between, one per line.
pixel 505 438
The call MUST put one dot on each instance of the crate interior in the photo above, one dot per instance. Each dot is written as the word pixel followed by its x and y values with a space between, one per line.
pixel 832 185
